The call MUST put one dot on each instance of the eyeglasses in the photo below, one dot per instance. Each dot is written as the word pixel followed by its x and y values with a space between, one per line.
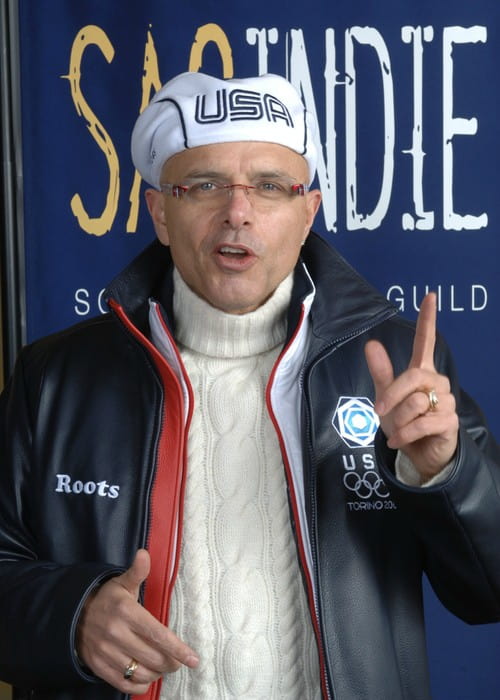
pixel 214 193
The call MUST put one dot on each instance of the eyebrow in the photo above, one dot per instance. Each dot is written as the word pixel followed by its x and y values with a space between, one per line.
pixel 202 174
pixel 217 175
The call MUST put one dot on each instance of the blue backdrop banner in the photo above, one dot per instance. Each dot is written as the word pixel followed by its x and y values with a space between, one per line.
pixel 406 97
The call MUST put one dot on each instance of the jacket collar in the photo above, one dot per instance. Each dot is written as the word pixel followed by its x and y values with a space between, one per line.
pixel 344 304
pixel 148 275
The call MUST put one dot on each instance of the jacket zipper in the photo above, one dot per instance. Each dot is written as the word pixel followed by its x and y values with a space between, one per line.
pixel 320 356
pixel 159 599
pixel 311 595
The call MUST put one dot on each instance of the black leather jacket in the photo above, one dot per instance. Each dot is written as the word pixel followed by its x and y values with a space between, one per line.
pixel 85 452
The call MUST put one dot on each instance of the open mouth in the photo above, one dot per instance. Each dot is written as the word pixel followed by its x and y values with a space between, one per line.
pixel 229 251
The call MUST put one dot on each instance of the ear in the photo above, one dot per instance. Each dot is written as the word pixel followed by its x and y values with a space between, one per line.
pixel 156 206
pixel 312 205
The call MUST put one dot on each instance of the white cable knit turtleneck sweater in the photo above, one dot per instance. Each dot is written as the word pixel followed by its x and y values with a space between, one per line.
pixel 239 600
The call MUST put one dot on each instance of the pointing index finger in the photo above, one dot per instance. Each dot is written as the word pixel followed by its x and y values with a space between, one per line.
pixel 425 334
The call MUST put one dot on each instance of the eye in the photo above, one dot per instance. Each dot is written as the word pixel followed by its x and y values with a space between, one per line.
pixel 202 187
pixel 270 187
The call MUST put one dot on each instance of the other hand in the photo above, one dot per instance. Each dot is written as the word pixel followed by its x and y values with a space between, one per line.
pixel 427 434
pixel 114 629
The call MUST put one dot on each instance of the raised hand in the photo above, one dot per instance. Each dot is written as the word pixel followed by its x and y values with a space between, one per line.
pixel 417 409
pixel 116 633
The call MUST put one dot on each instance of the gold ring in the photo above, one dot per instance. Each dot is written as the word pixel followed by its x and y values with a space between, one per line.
pixel 130 669
pixel 433 400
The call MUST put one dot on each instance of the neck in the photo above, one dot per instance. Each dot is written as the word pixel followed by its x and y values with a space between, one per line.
pixel 212 332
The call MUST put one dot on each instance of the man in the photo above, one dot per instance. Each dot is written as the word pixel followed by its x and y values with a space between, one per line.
pixel 195 499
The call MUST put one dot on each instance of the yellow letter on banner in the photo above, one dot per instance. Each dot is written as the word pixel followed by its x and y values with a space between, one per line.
pixel 211 32
pixel 102 224
pixel 150 83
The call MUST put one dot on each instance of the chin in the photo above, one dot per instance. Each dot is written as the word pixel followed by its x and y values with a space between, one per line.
pixel 235 305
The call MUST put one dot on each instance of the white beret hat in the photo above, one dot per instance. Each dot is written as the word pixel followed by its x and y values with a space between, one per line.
pixel 194 109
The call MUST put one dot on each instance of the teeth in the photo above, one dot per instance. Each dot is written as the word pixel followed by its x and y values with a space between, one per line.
pixel 232 251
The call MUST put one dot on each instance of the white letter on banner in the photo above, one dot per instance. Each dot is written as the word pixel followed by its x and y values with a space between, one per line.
pixel 484 293
pixel 453 126
pixel 261 37
pixel 373 38
pixel 82 306
pixel 424 219
pixel 300 77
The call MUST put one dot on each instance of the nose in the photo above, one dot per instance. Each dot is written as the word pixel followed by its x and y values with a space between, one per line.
pixel 238 208
pixel 230 189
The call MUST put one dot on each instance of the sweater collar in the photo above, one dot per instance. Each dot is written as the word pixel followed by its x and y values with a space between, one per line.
pixel 209 331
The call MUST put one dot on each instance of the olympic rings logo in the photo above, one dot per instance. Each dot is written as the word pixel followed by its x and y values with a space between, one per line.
pixel 367 485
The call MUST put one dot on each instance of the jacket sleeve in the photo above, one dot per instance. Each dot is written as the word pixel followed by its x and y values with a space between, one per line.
pixel 458 519
pixel 40 600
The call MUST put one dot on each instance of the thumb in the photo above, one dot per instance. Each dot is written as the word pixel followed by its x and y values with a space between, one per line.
pixel 379 366
pixel 132 579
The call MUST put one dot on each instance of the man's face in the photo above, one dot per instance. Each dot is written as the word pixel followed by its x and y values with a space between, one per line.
pixel 234 252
